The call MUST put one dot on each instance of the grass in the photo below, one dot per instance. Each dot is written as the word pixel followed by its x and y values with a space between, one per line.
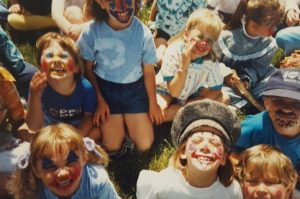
pixel 124 171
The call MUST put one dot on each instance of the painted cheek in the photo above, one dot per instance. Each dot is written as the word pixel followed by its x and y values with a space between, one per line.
pixel 279 194
pixel 44 65
pixel 76 171
pixel 218 154
pixel 71 65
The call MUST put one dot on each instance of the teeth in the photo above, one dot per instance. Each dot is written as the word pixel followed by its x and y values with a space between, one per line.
pixel 64 183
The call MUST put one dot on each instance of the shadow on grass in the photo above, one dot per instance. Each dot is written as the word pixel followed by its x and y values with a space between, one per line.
pixel 125 170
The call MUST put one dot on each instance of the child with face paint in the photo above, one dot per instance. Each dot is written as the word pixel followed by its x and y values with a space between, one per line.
pixel 265 172
pixel 120 53
pixel 62 164
pixel 203 133
pixel 170 18
pixel 190 70
pixel 280 124
pixel 59 93
pixel 246 45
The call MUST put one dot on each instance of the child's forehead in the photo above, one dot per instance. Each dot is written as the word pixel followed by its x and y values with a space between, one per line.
pixel 204 134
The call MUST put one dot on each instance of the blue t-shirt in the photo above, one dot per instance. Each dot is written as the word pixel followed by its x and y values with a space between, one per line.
pixel 258 129
pixel 173 15
pixel 119 55
pixel 69 109
pixel 94 184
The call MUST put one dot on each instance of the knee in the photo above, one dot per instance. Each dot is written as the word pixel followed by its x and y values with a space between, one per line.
pixel 112 144
pixel 145 145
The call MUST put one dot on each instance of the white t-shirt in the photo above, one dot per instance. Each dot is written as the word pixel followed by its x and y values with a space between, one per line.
pixel 170 184
pixel 227 6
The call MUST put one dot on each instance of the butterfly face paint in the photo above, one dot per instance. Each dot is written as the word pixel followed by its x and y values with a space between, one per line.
pixel 61 174
pixel 205 150
pixel 57 62
pixel 121 10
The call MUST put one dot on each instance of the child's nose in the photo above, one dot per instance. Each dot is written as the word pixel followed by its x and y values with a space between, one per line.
pixel 205 148
pixel 261 190
pixel 62 172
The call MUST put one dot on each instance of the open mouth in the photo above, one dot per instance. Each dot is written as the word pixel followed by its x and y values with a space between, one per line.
pixel 202 157
pixel 58 71
pixel 123 17
pixel 64 183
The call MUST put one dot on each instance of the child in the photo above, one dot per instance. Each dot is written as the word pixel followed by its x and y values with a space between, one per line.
pixel 279 125
pixel 170 18
pixel 277 183
pixel 59 93
pixel 190 70
pixel 247 46
pixel 202 132
pixel 61 164
pixel 69 16
pixel 120 53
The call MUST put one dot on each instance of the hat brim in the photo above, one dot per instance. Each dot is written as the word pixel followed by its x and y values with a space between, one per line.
pixel 282 93
pixel 202 122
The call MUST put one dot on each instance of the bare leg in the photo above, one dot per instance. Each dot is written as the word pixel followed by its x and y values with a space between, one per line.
pixel 113 132
pixel 140 130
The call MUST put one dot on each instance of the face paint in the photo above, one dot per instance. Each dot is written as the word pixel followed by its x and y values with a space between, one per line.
pixel 218 154
pixel 122 10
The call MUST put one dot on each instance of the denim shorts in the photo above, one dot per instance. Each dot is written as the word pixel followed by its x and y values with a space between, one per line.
pixel 125 98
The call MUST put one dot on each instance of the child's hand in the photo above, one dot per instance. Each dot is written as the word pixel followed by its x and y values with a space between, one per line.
pixel 156 114
pixel 102 113
pixel 16 8
pixel 74 31
pixel 37 84
pixel 292 17
pixel 187 54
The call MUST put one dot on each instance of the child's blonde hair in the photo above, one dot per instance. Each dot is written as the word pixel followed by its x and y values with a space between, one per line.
pixel 261 158
pixel 206 21
pixel 65 42
pixel 225 173
pixel 54 139
pixel 263 12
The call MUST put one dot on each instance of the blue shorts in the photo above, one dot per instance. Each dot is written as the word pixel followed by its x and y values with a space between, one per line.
pixel 125 98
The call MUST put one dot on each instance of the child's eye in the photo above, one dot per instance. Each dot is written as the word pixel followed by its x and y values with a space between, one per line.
pixel 65 55
pixel 252 181
pixel 51 167
pixel 49 55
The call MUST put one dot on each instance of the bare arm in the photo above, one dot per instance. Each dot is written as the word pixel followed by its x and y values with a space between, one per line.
pixel 57 13
pixel 155 112
pixel 153 11
pixel 35 115
pixel 102 111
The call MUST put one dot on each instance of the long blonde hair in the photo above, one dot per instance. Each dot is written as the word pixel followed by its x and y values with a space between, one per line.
pixel 51 140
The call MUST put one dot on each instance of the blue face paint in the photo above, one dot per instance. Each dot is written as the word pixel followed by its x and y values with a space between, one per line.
pixel 48 164
pixel 121 10
pixel 72 157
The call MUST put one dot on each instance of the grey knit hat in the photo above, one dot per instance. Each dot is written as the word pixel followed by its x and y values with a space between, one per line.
pixel 206 113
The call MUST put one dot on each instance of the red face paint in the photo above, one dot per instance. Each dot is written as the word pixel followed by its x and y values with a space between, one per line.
pixel 218 154
pixel 71 65
pixel 44 65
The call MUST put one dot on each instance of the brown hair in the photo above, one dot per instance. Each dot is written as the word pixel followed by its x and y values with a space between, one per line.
pixel 263 12
pixel 207 21
pixel 65 42
pixel 225 173
pixel 51 140
pixel 261 158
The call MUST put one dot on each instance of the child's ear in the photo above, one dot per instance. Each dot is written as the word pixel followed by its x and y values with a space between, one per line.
pixel 185 34
pixel 266 101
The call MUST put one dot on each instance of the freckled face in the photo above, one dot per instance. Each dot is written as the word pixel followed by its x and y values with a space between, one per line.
pixel 205 151
pixel 260 188
pixel 61 174
pixel 57 63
